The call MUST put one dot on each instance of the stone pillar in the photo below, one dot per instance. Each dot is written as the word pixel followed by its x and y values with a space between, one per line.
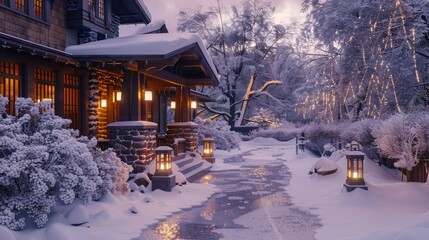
pixel 134 142
pixel 186 130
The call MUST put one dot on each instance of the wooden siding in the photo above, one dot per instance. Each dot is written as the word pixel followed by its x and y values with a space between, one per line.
pixel 51 33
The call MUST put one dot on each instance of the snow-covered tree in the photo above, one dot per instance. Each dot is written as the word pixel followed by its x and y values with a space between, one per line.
pixel 42 163
pixel 265 118
pixel 403 138
pixel 240 40
pixel 364 60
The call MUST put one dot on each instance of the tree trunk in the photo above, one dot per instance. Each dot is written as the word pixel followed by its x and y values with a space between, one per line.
pixel 244 105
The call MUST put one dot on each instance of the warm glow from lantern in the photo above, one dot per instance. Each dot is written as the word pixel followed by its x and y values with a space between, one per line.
pixel 193 104
pixel 118 96
pixel 355 175
pixel 148 95
pixel 103 103
pixel 163 161
pixel 173 105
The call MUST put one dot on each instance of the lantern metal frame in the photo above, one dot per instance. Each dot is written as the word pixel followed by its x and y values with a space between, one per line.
pixel 163 178
pixel 208 150
pixel 355 172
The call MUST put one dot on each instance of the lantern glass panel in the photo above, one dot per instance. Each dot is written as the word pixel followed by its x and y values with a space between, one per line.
pixel 103 103
pixel 173 105
pixel 118 96
pixel 148 95
pixel 193 104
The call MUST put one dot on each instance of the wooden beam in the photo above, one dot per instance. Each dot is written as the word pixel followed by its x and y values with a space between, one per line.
pixel 165 76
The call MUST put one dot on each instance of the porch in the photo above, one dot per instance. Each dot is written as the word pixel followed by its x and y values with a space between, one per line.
pixel 142 92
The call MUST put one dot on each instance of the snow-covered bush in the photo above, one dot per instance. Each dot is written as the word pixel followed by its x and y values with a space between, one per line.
pixel 361 132
pixel 403 138
pixel 286 132
pixel 318 135
pixel 42 163
pixel 264 118
pixel 219 130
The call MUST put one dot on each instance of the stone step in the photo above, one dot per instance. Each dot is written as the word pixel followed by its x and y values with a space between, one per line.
pixel 185 160
pixel 190 166
pixel 179 156
pixel 198 172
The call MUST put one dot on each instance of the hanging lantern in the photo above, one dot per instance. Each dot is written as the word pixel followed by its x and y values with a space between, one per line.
pixel 103 103
pixel 208 149
pixel 173 105
pixel 193 104
pixel 118 96
pixel 148 95
pixel 163 178
pixel 355 170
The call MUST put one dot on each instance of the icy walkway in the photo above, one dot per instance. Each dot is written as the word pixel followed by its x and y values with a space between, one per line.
pixel 251 203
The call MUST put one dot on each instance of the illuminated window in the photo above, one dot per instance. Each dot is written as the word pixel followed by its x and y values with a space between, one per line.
pixel 9 83
pixel 96 7
pixel 71 99
pixel 38 9
pixel 101 9
pixel 45 84
pixel 20 5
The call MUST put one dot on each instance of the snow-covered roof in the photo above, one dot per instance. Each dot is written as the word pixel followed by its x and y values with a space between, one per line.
pixel 158 46
pixel 131 11
pixel 153 26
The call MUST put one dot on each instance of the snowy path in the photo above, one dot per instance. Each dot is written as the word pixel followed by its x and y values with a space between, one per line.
pixel 251 203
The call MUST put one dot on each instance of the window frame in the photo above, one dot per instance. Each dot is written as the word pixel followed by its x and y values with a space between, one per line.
pixel 17 78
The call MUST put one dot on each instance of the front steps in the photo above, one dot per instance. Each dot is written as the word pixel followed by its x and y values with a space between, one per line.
pixel 192 167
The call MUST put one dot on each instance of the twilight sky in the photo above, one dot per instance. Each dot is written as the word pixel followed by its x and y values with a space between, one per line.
pixel 286 11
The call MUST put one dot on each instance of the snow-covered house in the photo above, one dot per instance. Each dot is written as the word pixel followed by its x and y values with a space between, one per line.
pixel 71 52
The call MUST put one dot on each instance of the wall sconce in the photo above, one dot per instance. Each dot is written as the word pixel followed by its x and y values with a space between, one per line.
pixel 163 178
pixel 208 149
pixel 148 95
pixel 193 104
pixel 118 96
pixel 355 170
pixel 173 105
pixel 103 103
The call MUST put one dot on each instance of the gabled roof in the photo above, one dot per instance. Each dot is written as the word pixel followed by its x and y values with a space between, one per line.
pixel 156 26
pixel 162 46
pixel 131 11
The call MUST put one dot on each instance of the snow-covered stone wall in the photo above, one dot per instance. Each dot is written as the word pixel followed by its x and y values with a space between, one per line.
pixel 186 130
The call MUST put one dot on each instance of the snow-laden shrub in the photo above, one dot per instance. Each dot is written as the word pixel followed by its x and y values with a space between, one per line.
pixel 42 163
pixel 286 132
pixel 361 132
pixel 219 130
pixel 264 118
pixel 403 138
pixel 318 135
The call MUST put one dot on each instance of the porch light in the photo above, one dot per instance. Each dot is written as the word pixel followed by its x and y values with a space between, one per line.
pixel 163 178
pixel 208 149
pixel 355 169
pixel 173 105
pixel 148 95
pixel 193 104
pixel 118 96
pixel 103 103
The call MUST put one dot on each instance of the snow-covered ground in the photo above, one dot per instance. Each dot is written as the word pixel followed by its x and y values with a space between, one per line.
pixel 390 209
pixel 111 217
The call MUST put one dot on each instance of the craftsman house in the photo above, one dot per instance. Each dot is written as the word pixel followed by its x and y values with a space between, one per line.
pixel 70 52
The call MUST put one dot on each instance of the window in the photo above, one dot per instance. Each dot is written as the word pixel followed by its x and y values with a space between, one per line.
pixel 35 9
pixel 96 7
pixel 71 99
pixel 9 83
pixel 38 9
pixel 4 2
pixel 101 9
pixel 20 5
pixel 45 84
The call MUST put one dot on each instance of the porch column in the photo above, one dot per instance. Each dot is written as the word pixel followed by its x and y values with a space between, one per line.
pixel 178 112
pixel 186 110
pixel 131 97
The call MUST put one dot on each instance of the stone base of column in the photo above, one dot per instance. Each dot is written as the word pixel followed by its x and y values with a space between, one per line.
pixel 134 142
pixel 186 130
